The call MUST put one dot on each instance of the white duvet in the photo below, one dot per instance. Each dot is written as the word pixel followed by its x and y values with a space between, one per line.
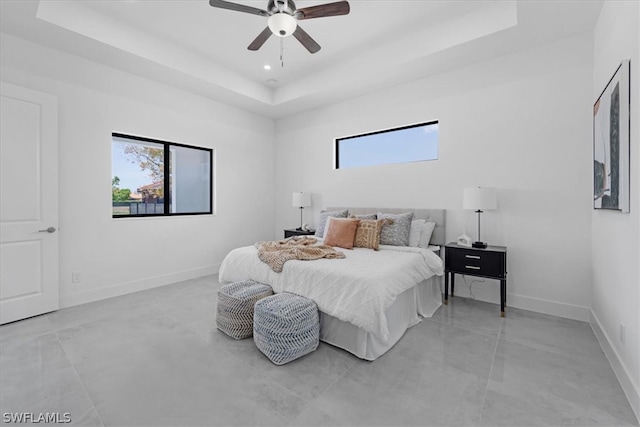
pixel 357 289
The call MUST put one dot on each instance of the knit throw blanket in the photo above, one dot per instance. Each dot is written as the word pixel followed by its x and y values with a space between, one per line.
pixel 276 253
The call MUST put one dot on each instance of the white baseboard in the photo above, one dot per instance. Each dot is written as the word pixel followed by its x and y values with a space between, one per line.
pixel 119 289
pixel 554 308
pixel 631 390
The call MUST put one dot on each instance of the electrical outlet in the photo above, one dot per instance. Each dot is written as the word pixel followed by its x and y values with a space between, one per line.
pixel 75 277
pixel 623 333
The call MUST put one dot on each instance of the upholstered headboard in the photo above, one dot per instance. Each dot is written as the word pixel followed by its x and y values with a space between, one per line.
pixel 438 216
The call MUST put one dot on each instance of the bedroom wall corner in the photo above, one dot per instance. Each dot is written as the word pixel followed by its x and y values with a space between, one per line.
pixel 120 256
pixel 616 236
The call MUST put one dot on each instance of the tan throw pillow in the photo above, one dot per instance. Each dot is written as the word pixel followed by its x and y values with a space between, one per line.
pixel 368 233
pixel 341 232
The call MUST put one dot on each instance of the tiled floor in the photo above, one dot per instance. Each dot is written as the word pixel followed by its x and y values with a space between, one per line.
pixel 155 358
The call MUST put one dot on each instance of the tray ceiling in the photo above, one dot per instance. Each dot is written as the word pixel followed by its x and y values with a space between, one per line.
pixel 188 44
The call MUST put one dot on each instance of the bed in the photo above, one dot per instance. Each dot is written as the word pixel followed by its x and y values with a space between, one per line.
pixel 369 299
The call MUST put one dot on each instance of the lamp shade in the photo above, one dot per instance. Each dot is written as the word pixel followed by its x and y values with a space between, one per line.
pixel 282 24
pixel 480 198
pixel 301 200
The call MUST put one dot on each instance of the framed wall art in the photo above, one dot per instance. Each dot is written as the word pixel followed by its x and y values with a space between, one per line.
pixel 611 129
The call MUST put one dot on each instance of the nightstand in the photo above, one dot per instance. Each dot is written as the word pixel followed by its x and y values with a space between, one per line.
pixel 295 232
pixel 490 263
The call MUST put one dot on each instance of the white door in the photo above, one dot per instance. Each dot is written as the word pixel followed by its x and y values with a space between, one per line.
pixel 28 203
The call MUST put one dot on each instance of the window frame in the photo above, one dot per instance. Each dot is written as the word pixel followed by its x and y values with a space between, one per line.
pixel 336 145
pixel 166 184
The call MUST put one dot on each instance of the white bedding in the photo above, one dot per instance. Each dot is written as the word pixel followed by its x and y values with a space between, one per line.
pixel 357 289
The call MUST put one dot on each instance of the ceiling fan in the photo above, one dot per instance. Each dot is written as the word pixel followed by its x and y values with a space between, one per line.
pixel 283 19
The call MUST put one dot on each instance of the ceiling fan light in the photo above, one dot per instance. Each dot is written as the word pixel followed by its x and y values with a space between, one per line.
pixel 282 24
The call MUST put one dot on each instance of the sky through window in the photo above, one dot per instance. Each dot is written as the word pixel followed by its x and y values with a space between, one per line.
pixel 401 145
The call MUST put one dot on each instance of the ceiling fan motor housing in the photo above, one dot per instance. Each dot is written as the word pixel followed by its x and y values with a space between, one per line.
pixel 282 24
pixel 281 6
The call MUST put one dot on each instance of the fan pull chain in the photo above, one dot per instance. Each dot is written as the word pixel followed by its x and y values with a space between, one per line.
pixel 282 51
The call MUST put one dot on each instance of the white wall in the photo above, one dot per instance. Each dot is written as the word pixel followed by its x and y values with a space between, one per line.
pixel 117 256
pixel 616 236
pixel 521 123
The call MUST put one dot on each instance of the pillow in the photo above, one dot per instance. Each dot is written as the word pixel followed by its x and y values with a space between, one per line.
pixel 326 226
pixel 365 216
pixel 341 232
pixel 368 233
pixel 427 231
pixel 417 226
pixel 323 219
pixel 396 234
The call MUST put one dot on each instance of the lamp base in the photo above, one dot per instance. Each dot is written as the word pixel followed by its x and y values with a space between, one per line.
pixel 480 245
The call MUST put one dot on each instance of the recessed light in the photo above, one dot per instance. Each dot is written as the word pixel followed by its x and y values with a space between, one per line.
pixel 267 67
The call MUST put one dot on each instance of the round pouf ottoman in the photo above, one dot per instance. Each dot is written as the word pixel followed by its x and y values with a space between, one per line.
pixel 285 327
pixel 234 316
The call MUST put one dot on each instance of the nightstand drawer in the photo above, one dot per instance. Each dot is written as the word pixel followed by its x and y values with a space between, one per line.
pixel 475 262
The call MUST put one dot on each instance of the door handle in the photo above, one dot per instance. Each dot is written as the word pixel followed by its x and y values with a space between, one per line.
pixel 48 230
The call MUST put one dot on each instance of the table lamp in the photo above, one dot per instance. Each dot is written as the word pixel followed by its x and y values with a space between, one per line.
pixel 301 200
pixel 480 199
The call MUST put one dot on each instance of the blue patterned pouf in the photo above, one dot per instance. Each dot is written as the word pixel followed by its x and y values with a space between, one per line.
pixel 234 315
pixel 285 327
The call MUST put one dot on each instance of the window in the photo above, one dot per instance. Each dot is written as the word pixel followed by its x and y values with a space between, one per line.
pixel 151 178
pixel 413 143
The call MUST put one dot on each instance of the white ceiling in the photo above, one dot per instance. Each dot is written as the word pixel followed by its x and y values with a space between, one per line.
pixel 188 44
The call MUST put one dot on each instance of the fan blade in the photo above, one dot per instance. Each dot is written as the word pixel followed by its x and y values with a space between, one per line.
pixel 323 10
pixel 260 40
pixel 306 40
pixel 237 7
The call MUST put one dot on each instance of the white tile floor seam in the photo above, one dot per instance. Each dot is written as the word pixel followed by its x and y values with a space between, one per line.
pixel 334 381
pixel 156 358
pixel 493 360
pixel 93 406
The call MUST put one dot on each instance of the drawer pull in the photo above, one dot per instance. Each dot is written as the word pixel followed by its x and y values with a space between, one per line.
pixel 472 256
pixel 472 267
